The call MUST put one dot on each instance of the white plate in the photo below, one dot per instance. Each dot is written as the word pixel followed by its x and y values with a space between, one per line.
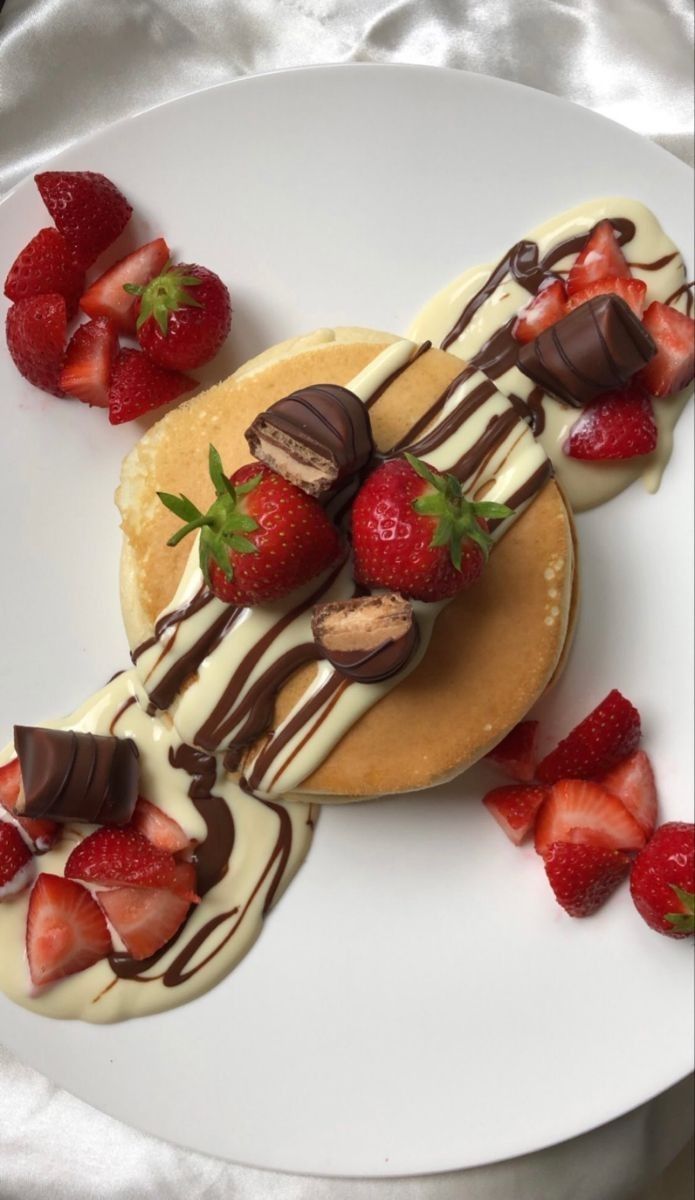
pixel 418 1001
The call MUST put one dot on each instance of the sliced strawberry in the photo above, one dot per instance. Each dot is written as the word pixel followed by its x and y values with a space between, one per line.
pixel 107 296
pixel 139 385
pixel 584 876
pixel 88 209
pixel 16 861
pixel 36 330
pixel 46 265
pixel 515 808
pixel 673 366
pixel 163 831
pixel 583 812
pixel 146 920
pixel 632 291
pixel 113 857
pixel 632 781
pixel 618 425
pixel 516 754
pixel 41 832
pixel 600 257
pixel 609 733
pixel 89 361
pixel 66 930
pixel 548 306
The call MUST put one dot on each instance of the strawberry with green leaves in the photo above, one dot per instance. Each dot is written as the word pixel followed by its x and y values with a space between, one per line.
pixel 414 531
pixel 183 316
pixel 261 538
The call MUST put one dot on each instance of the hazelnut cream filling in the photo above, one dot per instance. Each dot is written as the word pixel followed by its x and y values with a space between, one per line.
pixel 652 257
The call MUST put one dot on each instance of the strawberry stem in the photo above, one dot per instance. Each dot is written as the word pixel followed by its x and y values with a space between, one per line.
pixel 164 294
pixel 223 526
pixel 458 518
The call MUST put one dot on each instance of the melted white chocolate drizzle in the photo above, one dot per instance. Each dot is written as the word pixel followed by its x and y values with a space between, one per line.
pixel 653 258
pixel 218 668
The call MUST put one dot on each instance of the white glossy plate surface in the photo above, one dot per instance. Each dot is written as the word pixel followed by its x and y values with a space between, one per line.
pixel 417 1002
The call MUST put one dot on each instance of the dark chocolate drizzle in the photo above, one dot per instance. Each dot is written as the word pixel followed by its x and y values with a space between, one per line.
pixel 686 289
pixel 390 379
pixel 523 262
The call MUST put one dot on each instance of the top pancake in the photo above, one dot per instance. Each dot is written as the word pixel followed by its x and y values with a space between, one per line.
pixel 494 648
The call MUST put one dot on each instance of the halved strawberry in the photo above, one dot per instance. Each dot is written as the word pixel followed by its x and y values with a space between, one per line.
pixel 163 831
pixel 88 209
pixel 516 754
pixel 146 920
pixel 113 857
pixel 15 861
pixel 582 812
pixel 618 425
pixel 584 876
pixel 632 291
pixel 36 330
pixel 514 808
pixel 46 265
pixel 41 832
pixel 139 385
pixel 66 930
pixel 107 297
pixel 632 781
pixel 600 257
pixel 547 306
pixel 673 365
pixel 610 732
pixel 89 361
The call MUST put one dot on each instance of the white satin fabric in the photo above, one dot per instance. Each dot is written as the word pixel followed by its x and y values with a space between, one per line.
pixel 69 68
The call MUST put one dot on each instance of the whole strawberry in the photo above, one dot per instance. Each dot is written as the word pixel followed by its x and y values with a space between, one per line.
pixel 184 315
pixel 262 536
pixel 662 881
pixel 414 531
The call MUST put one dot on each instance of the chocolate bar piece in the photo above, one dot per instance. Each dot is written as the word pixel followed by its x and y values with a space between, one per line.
pixel 70 776
pixel 316 438
pixel 594 349
pixel 368 638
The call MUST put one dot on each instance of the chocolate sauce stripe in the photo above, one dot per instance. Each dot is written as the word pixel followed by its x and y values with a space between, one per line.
pixel 390 379
pixel 124 707
pixel 452 422
pixel 302 715
pixel 164 693
pixel 340 686
pixel 197 602
pixel 433 411
pixel 229 711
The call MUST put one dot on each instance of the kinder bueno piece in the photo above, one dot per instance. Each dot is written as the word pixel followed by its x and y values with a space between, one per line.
pixel 70 776
pixel 598 346
pixel 317 438
pixel 368 638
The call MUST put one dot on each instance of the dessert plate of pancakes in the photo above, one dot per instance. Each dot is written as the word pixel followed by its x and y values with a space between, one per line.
pixel 417 1002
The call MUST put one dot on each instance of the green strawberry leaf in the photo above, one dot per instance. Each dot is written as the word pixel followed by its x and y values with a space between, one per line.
pixel 223 527
pixel 684 921
pixel 457 517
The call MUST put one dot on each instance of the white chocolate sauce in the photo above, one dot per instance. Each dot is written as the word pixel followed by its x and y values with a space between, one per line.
pixel 585 484
pixel 494 449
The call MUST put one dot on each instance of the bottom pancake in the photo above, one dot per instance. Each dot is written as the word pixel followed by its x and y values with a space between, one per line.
pixel 494 649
